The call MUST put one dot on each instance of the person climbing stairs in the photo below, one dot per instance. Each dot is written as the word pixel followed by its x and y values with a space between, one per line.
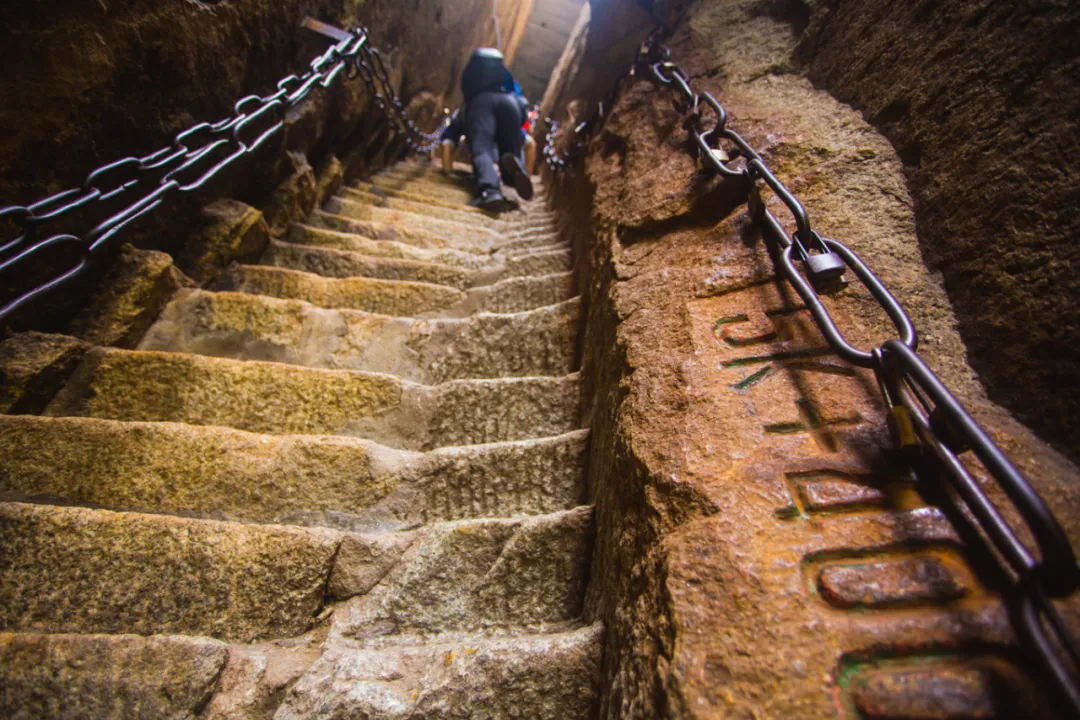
pixel 347 482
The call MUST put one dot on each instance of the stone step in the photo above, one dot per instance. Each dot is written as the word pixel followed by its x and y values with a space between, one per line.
pixel 312 235
pixel 461 178
pixel 89 677
pixel 386 297
pixel 341 254
pixel 533 243
pixel 541 677
pixel 465 214
pixel 537 342
pixel 399 297
pixel 532 230
pixel 420 188
pixel 345 264
pixel 286 399
pixel 413 202
pixel 314 480
pixel 510 574
pixel 480 242
pixel 519 294
pixel 543 260
pixel 421 193
pixel 79 570
pixel 454 233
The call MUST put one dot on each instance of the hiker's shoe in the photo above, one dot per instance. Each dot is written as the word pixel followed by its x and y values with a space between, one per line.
pixel 515 175
pixel 490 200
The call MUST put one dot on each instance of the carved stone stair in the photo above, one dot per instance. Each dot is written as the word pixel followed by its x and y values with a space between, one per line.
pixel 346 482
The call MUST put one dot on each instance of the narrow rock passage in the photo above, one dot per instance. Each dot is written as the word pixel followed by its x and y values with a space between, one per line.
pixel 347 483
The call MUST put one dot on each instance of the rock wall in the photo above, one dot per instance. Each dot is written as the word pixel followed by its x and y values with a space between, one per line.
pixel 549 29
pixel 979 98
pixel 88 83
pixel 759 551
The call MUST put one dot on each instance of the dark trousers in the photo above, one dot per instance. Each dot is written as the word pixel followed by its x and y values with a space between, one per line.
pixel 492 127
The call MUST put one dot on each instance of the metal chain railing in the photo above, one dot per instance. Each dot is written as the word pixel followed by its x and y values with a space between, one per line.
pixel 927 423
pixel 116 194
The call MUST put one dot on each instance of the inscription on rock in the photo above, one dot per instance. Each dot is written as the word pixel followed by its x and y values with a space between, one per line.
pixel 806 468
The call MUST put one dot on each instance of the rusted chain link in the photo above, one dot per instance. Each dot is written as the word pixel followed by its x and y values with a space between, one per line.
pixel 927 423
pixel 116 194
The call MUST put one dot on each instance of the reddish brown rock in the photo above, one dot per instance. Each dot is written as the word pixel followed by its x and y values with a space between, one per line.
pixel 979 98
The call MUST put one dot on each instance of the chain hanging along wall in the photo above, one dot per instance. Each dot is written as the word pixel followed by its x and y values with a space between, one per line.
pixel 929 426
pixel 118 193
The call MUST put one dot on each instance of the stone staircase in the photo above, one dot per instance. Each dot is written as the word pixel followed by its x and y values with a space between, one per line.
pixel 346 483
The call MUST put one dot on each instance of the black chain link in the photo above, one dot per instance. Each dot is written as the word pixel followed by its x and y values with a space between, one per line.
pixel 116 194
pixel 929 426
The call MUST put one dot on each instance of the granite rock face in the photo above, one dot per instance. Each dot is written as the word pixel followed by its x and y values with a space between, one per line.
pixel 759 550
pixel 979 98
pixel 382 514
pixel 121 677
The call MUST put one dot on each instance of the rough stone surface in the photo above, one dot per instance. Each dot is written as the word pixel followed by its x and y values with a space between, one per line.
pixel 400 297
pixel 378 230
pixel 535 676
pixel 301 480
pixel 136 288
pixel 328 179
pixel 295 197
pixel 431 351
pixel 273 398
pixel 453 232
pixel 149 574
pixel 369 294
pixel 468 575
pixel 256 678
pixel 317 238
pixel 244 47
pixel 232 232
pixel 416 204
pixel 116 677
pixel 959 88
pixel 343 264
pixel 33 367
pixel 734 459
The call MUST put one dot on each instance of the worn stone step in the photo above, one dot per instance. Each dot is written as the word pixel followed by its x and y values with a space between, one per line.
pixel 311 235
pixel 533 243
pixel 225 474
pixel 420 188
pixel 455 233
pixel 90 677
pixel 79 570
pixel 543 677
pixel 386 297
pixel 335 256
pixel 399 297
pixel 286 399
pixel 512 574
pixel 518 294
pixel 532 230
pixel 255 327
pixel 344 264
pixel 398 200
pixel 476 242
